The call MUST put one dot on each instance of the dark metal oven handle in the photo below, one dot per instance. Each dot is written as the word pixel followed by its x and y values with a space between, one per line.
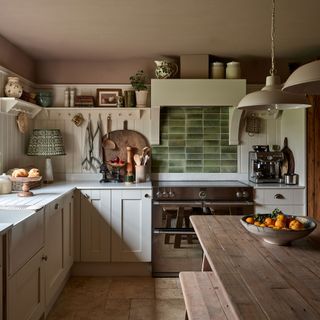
pixel 228 204
pixel 178 203
pixel 173 231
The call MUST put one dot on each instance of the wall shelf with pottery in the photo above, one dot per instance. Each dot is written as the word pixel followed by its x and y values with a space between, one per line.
pixel 56 113
pixel 14 106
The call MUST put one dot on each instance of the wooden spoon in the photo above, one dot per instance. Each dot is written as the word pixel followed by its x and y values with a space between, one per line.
pixel 107 143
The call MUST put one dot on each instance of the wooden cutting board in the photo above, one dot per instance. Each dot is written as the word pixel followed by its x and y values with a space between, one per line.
pixel 124 139
pixel 288 165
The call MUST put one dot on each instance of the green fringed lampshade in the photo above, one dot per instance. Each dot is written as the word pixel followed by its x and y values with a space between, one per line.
pixel 46 142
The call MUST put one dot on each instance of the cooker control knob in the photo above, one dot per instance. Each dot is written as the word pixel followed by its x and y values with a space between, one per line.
pixel 245 194
pixel 171 194
pixel 165 194
pixel 202 194
pixel 239 194
pixel 159 194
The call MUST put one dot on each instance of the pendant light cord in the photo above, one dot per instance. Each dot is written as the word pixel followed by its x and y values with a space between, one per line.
pixel 273 31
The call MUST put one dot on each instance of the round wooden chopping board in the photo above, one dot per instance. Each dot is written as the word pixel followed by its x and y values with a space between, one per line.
pixel 124 139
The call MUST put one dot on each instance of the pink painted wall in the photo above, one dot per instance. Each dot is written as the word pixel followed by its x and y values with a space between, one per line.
pixel 14 59
pixel 108 72
pixel 254 70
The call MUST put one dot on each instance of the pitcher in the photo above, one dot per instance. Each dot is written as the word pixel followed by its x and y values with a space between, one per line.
pixel 165 69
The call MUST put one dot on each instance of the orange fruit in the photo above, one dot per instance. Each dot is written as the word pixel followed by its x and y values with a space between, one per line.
pixel 250 220
pixel 263 225
pixel 295 225
pixel 280 224
pixel 269 221
pixel 257 223
pixel 281 217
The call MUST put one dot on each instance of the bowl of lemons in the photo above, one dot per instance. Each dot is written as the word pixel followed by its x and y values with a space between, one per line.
pixel 278 228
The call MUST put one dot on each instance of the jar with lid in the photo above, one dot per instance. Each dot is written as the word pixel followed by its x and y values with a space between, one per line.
pixel 233 70
pixel 5 184
pixel 217 70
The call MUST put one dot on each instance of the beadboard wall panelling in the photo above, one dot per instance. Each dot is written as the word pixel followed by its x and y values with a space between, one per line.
pixel 74 137
pixel 12 144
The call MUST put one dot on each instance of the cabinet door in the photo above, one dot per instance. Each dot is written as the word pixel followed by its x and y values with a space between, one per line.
pixel 54 243
pixel 68 231
pixel 26 291
pixel 95 225
pixel 131 226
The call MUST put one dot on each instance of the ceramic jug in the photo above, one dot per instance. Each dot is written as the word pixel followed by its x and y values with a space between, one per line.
pixel 165 69
pixel 13 88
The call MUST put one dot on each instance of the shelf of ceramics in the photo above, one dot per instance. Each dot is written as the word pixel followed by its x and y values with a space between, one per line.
pixel 14 106
pixel 56 113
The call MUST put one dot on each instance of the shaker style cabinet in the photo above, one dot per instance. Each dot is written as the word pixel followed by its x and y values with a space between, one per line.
pixel 58 244
pixel 288 200
pixel 40 255
pixel 131 226
pixel 115 225
pixel 25 276
pixel 95 219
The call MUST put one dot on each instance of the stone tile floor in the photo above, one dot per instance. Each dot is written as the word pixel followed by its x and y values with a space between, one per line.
pixel 120 298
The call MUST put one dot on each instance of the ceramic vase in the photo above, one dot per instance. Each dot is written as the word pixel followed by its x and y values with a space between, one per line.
pixel 165 69
pixel 141 98
pixel 13 88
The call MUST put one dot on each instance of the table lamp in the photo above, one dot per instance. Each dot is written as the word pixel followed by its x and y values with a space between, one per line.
pixel 46 142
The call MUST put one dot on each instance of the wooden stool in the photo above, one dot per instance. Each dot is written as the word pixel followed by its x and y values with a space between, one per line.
pixel 169 213
pixel 204 297
pixel 183 216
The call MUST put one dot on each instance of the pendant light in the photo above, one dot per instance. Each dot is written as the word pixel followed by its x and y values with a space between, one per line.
pixel 271 97
pixel 305 79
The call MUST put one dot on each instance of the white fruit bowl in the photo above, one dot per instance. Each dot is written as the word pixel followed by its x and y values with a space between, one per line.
pixel 280 237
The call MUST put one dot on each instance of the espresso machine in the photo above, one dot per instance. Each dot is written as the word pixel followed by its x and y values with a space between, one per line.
pixel 265 166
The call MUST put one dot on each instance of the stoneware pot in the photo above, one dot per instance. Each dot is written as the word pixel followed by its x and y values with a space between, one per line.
pixel 13 88
pixel 141 98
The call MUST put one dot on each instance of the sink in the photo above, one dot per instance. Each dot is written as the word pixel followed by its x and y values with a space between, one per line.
pixel 14 216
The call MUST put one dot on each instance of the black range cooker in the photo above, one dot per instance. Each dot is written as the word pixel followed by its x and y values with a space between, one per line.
pixel 175 246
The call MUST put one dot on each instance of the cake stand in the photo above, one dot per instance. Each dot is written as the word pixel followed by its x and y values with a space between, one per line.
pixel 25 185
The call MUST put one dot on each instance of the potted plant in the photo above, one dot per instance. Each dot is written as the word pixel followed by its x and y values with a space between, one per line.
pixel 138 82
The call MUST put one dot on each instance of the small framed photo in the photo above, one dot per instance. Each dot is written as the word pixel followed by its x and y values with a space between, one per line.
pixel 108 97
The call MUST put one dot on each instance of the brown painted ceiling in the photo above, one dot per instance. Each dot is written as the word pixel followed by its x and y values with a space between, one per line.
pixel 122 29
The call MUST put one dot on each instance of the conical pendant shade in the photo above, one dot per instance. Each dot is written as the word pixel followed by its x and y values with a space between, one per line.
pixel 305 79
pixel 272 98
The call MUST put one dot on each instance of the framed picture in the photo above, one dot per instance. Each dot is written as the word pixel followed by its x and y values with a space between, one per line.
pixel 108 97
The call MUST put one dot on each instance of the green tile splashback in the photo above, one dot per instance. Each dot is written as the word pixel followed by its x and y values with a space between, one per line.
pixel 194 139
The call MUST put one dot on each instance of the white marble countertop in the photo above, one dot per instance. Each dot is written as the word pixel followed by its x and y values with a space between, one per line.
pixel 51 192
pixel 273 185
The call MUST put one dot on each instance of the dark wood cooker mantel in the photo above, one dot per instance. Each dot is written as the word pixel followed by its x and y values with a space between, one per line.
pixel 260 280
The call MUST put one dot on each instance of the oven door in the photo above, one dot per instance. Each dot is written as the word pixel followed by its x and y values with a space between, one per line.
pixel 229 207
pixel 175 247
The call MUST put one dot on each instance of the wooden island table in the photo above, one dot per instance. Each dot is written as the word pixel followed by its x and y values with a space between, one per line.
pixel 256 280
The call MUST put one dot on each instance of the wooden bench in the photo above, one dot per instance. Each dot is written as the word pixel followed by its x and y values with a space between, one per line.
pixel 204 298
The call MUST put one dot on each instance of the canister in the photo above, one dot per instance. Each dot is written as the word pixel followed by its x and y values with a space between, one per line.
pixel 217 70
pixel 5 184
pixel 233 70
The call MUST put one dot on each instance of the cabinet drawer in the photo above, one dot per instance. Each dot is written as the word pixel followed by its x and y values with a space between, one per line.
pixel 24 240
pixel 287 209
pixel 280 197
